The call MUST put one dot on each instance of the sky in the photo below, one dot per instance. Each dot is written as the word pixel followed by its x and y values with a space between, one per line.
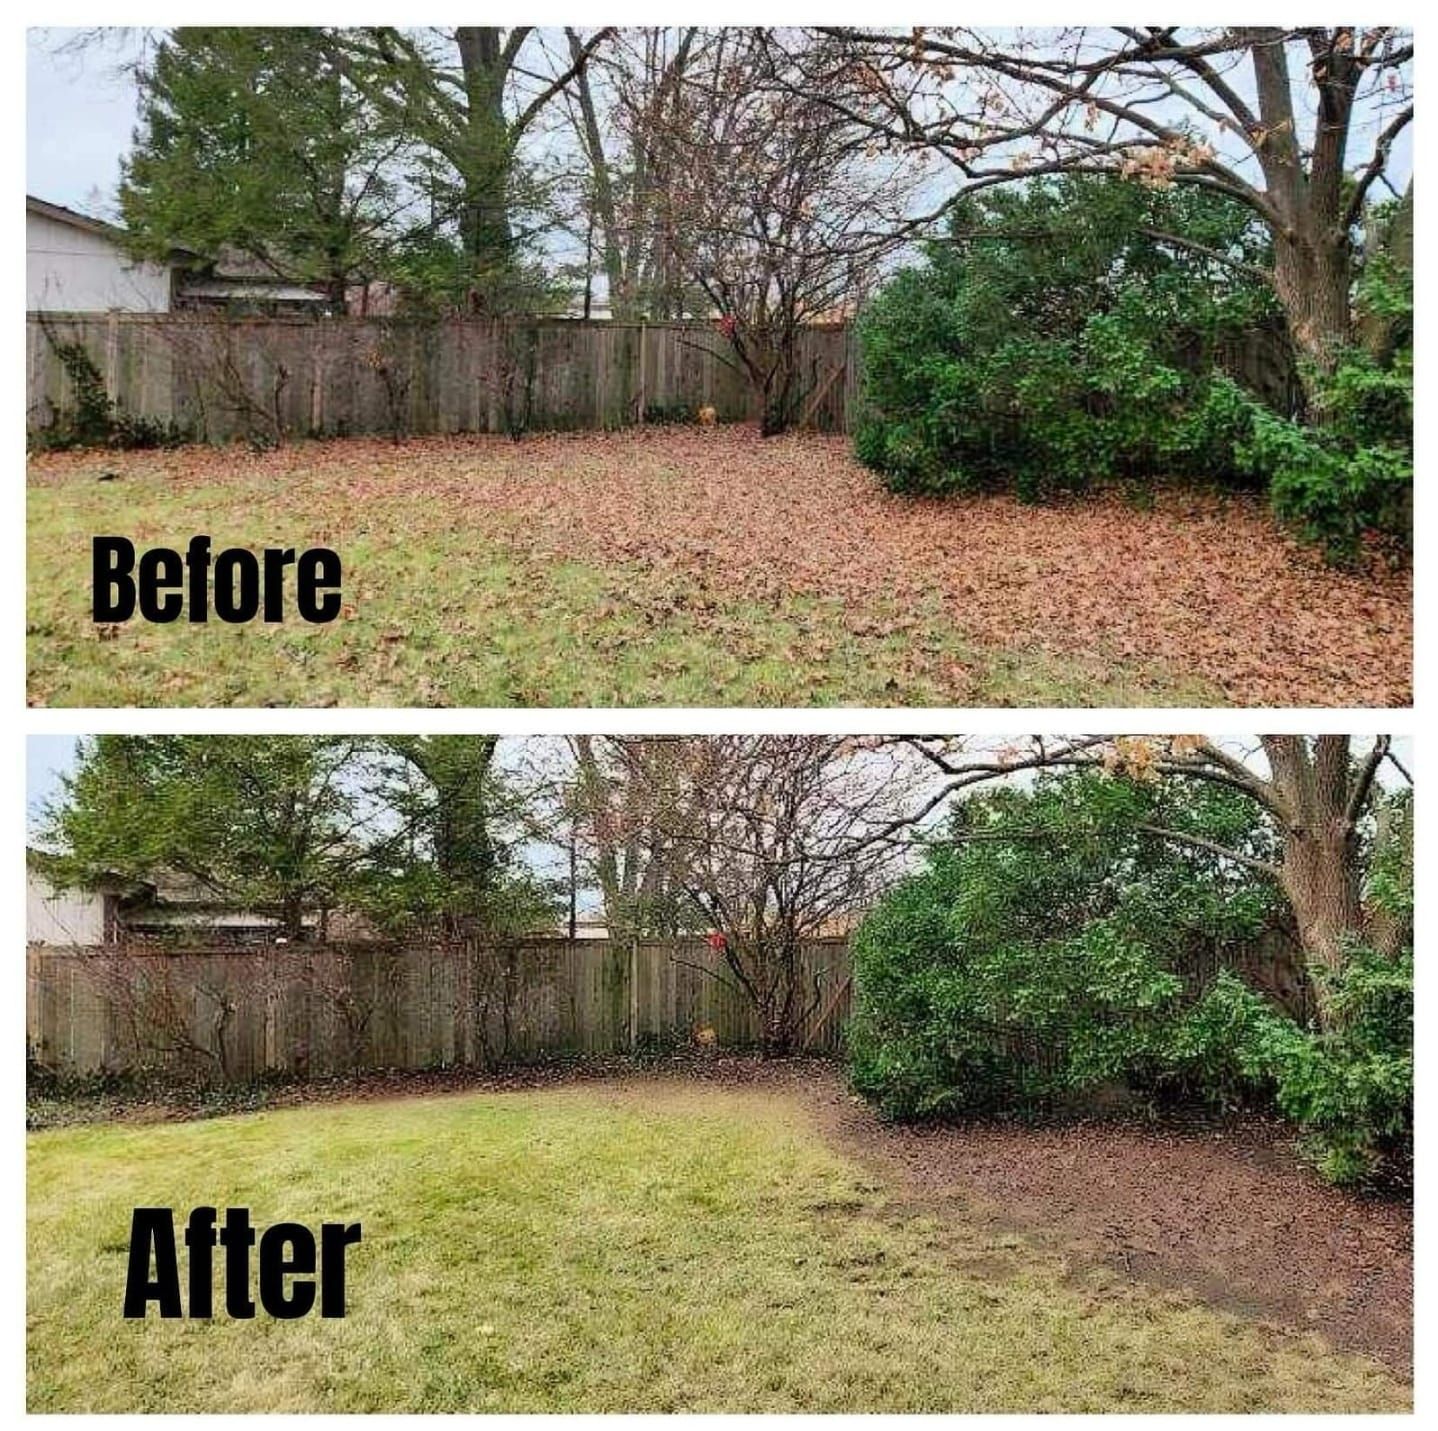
pixel 81 112
pixel 50 757
pixel 47 759
pixel 79 116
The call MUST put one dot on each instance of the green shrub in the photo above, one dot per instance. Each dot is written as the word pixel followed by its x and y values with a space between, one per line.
pixel 1350 471
pixel 1353 473
pixel 1052 341
pixel 1350 1088
pixel 1055 340
pixel 1045 952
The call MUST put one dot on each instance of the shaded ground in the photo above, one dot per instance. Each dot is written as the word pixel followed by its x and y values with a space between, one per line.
pixel 703 566
pixel 1223 1212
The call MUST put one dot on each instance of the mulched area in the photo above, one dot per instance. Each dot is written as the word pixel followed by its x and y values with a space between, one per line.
pixel 1204 584
pixel 1222 1210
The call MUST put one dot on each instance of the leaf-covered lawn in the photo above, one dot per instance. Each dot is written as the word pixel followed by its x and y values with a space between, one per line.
pixel 699 566
pixel 602 1248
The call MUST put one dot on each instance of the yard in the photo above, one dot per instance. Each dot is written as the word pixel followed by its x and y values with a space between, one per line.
pixel 689 566
pixel 748 1242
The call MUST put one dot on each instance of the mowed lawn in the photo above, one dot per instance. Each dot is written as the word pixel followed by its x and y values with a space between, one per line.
pixel 698 566
pixel 655 1247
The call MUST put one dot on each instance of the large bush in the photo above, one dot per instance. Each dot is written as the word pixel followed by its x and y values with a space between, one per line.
pixel 1046 950
pixel 1350 469
pixel 1051 340
pixel 1056 338
pixel 1053 947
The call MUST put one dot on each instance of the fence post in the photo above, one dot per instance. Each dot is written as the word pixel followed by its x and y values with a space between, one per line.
pixel 634 994
pixel 643 392
pixel 112 357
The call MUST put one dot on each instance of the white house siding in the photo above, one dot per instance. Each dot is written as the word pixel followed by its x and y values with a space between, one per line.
pixel 72 270
pixel 62 917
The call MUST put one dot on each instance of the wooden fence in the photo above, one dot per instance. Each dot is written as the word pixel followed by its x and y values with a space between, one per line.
pixel 334 377
pixel 222 378
pixel 232 1015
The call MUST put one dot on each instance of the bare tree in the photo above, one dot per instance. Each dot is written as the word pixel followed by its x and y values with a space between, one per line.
pixel 777 840
pixel 620 106
pixel 616 802
pixel 781 209
pixel 1298 124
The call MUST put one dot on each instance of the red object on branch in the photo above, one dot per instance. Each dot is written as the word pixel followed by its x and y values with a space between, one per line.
pixel 717 942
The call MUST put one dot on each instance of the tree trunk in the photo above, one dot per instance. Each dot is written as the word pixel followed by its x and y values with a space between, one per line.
pixel 777 981
pixel 776 1035
pixel 1313 276
pixel 773 374
pixel 1319 876
pixel 484 165
pixel 1319 869
pixel 601 203
pixel 292 918
pixel 337 290
pixel 1312 255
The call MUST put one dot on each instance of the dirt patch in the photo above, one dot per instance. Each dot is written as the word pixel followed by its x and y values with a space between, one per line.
pixel 1224 1211
pixel 1204 585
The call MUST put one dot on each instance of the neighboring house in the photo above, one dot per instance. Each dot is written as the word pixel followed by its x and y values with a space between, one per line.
pixel 173 908
pixel 182 909
pixel 77 264
pixel 234 282
pixel 72 916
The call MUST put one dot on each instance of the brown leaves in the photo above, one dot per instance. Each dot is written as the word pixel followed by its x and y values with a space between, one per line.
pixel 1202 586
pixel 1133 756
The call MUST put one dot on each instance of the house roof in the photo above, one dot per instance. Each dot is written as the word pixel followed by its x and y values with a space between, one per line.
pixel 116 233
pixel 231 273
pixel 77 220
pixel 47 865
pixel 272 291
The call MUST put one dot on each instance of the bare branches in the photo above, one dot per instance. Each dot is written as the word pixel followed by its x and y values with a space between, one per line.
pixel 780 210
pixel 1161 106
pixel 1377 166
pixel 1226 852
pixel 768 839
pixel 1363 781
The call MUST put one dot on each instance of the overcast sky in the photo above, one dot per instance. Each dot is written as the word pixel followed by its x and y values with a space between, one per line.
pixel 80 115
pixel 80 111
pixel 49 757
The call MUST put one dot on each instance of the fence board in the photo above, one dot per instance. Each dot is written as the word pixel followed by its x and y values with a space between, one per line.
pixel 228 378
pixel 234 1014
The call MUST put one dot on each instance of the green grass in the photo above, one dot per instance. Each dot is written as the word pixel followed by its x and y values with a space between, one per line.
pixel 449 608
pixel 587 1249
